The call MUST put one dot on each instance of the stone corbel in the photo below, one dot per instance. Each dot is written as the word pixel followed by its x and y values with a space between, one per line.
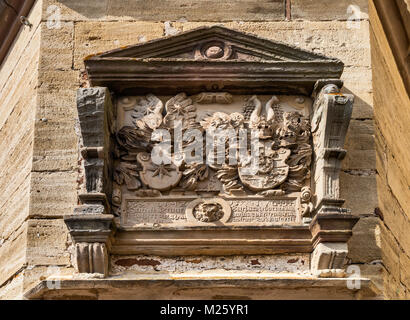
pixel 91 224
pixel 331 224
pixel 91 236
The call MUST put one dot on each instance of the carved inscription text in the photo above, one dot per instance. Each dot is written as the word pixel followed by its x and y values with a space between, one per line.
pixel 140 212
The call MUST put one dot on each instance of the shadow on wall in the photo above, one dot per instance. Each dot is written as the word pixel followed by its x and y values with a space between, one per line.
pixel 359 188
pixel 182 10
pixel 361 109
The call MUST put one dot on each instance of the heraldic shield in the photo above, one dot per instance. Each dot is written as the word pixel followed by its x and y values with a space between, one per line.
pixel 269 172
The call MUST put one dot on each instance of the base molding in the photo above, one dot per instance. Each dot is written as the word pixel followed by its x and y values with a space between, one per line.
pixel 217 241
pixel 178 286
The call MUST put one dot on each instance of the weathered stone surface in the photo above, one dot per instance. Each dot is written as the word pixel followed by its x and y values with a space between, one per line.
pixel 404 269
pixel 34 274
pixel 74 10
pixel 295 264
pixel 393 215
pixel 390 252
pixel 212 10
pixel 332 39
pixel 158 10
pixel 58 104
pixel 374 272
pixel 15 210
pixel 91 104
pixel 27 38
pixel 393 289
pixel 381 154
pixel 13 289
pixel 18 82
pixel 358 81
pixel 56 95
pixel 92 258
pixel 393 151
pixel 55 146
pixel 93 37
pixel 90 233
pixel 221 285
pixel 16 143
pixel 56 80
pixel 334 10
pixel 47 243
pixel 364 246
pixel 389 90
pixel 57 47
pixel 359 191
pixel 22 80
pixel 53 194
pixel 13 253
pixel 399 181
pixel 360 146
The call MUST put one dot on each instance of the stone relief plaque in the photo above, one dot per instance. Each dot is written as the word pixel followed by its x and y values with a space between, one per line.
pixel 207 145
pixel 168 100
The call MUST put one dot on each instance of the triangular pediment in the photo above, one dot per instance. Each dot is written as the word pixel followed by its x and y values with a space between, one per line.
pixel 215 43
pixel 211 58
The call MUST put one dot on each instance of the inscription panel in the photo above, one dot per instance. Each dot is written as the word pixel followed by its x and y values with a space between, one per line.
pixel 154 212
pixel 178 213
pixel 268 211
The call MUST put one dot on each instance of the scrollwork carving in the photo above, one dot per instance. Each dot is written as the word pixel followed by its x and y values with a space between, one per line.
pixel 148 113
pixel 192 174
pixel 180 108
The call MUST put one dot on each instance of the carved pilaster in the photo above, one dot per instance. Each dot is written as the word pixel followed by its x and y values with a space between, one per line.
pixel 90 226
pixel 332 224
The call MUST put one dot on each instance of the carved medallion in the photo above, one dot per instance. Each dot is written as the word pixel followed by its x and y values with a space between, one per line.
pixel 214 50
pixel 211 210
pixel 208 212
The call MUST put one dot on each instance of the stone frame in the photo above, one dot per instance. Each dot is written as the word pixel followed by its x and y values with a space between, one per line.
pixel 170 65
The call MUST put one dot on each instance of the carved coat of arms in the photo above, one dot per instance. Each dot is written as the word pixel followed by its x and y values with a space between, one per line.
pixel 282 146
pixel 158 176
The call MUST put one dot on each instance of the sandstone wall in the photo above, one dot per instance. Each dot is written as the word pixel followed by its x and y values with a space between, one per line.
pixel 53 177
pixel 392 119
pixel 18 99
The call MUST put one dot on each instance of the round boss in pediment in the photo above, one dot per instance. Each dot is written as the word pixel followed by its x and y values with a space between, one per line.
pixel 214 50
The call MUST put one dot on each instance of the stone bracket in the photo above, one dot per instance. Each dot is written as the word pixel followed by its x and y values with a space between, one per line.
pixel 332 227
pixel 328 260
pixel 330 234
pixel 91 236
